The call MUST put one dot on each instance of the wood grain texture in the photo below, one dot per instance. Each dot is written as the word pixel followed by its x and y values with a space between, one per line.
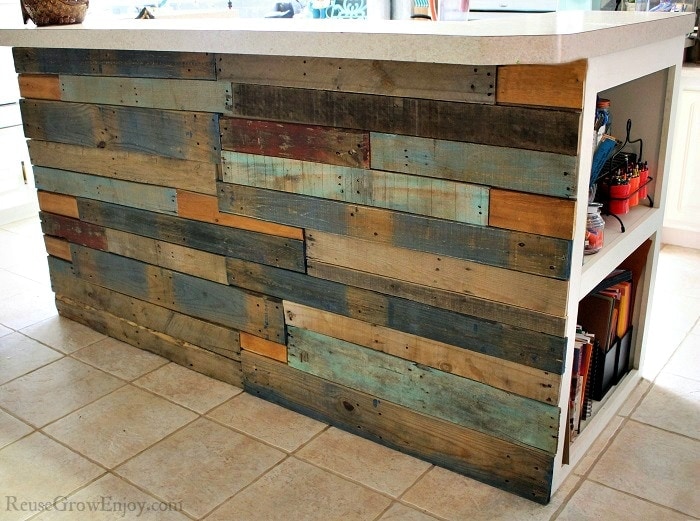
pixel 125 193
pixel 510 466
pixel 59 248
pixel 181 135
pixel 553 131
pixel 99 62
pixel 515 288
pixel 545 85
pixel 516 169
pixel 461 202
pixel 518 345
pixel 465 83
pixel 73 230
pixel 205 208
pixel 127 165
pixel 59 204
pixel 531 213
pixel 213 238
pixel 501 374
pixel 333 146
pixel 264 347
pixel 169 94
pixel 518 251
pixel 39 86
pixel 206 335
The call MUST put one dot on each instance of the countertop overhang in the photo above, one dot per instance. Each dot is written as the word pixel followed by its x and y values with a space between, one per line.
pixel 537 38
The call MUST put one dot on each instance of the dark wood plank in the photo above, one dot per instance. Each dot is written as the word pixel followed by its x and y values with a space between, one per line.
pixel 518 251
pixel 73 230
pixel 509 126
pixel 522 470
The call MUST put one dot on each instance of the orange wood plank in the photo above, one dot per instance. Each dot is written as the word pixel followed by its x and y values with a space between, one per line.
pixel 58 248
pixel 40 86
pixel 532 213
pixel 264 347
pixel 59 204
pixel 545 85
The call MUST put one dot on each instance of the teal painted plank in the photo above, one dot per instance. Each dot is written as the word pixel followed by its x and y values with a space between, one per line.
pixel 124 193
pixel 439 198
pixel 515 169
pixel 427 390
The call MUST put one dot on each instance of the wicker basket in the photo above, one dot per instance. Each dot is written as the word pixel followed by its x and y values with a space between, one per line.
pixel 54 12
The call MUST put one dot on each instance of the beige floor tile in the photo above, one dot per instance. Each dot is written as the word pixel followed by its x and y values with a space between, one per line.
pixel 37 469
pixel 120 359
pixel 34 266
pixel 654 465
pixel 11 429
pixel 5 331
pixel 188 388
pixel 13 284
pixel 672 404
pixel 686 360
pixel 119 425
pixel 27 308
pixel 212 464
pixel 399 512
pixel 295 490
pixel 19 355
pixel 598 446
pixel 112 498
pixel 457 498
pixel 266 421
pixel 634 398
pixel 55 390
pixel 366 462
pixel 63 334
pixel 594 502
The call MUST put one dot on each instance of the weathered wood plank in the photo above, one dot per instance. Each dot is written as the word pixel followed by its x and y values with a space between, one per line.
pixel 190 95
pixel 501 374
pixel 518 251
pixel 515 288
pixel 208 336
pixel 264 347
pixel 66 205
pixel 125 193
pixel 512 168
pixel 544 85
pixel 518 345
pixel 531 213
pixel 39 86
pixel 450 200
pixel 221 240
pixel 57 247
pixel 99 62
pixel 465 83
pixel 553 131
pixel 205 208
pixel 182 135
pixel 510 466
pixel 333 146
pixel 459 400
pixel 203 299
pixel 73 230
pixel 127 166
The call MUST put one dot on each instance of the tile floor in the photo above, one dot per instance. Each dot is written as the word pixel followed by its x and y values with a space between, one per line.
pixel 119 433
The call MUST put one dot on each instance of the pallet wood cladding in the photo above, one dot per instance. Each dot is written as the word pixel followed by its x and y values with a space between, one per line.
pixel 343 237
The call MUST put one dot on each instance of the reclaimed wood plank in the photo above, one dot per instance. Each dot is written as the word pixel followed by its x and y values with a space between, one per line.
pixel 466 83
pixel 545 85
pixel 58 247
pixel 516 169
pixel 518 251
pixel 125 193
pixel 522 346
pixel 501 374
pixel 333 146
pixel 205 208
pixel 531 213
pixel 264 347
pixel 213 238
pixel 522 470
pixel 531 128
pixel 182 135
pixel 439 198
pixel 515 288
pixel 102 62
pixel 206 335
pixel 144 168
pixel 39 86
pixel 169 94
pixel 73 230
pixel 59 204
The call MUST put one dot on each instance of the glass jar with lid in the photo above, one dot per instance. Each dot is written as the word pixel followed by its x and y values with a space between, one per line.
pixel 595 228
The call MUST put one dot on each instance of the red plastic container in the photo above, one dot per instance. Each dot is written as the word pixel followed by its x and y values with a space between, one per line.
pixel 619 199
pixel 634 191
pixel 643 179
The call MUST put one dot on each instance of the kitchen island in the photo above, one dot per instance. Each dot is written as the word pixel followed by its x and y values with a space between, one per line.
pixel 380 225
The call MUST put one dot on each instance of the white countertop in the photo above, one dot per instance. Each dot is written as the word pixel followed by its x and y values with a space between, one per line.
pixel 537 38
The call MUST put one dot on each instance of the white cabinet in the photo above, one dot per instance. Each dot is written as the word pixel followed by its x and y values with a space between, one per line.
pixel 682 219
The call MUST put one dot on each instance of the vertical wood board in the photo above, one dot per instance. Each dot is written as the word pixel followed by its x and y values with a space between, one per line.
pixel 531 213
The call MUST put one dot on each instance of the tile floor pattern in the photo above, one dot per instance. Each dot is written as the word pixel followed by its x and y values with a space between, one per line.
pixel 113 429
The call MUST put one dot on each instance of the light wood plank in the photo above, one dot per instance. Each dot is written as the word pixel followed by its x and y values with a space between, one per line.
pixel 39 86
pixel 58 247
pixel 531 213
pixel 264 347
pixel 58 204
